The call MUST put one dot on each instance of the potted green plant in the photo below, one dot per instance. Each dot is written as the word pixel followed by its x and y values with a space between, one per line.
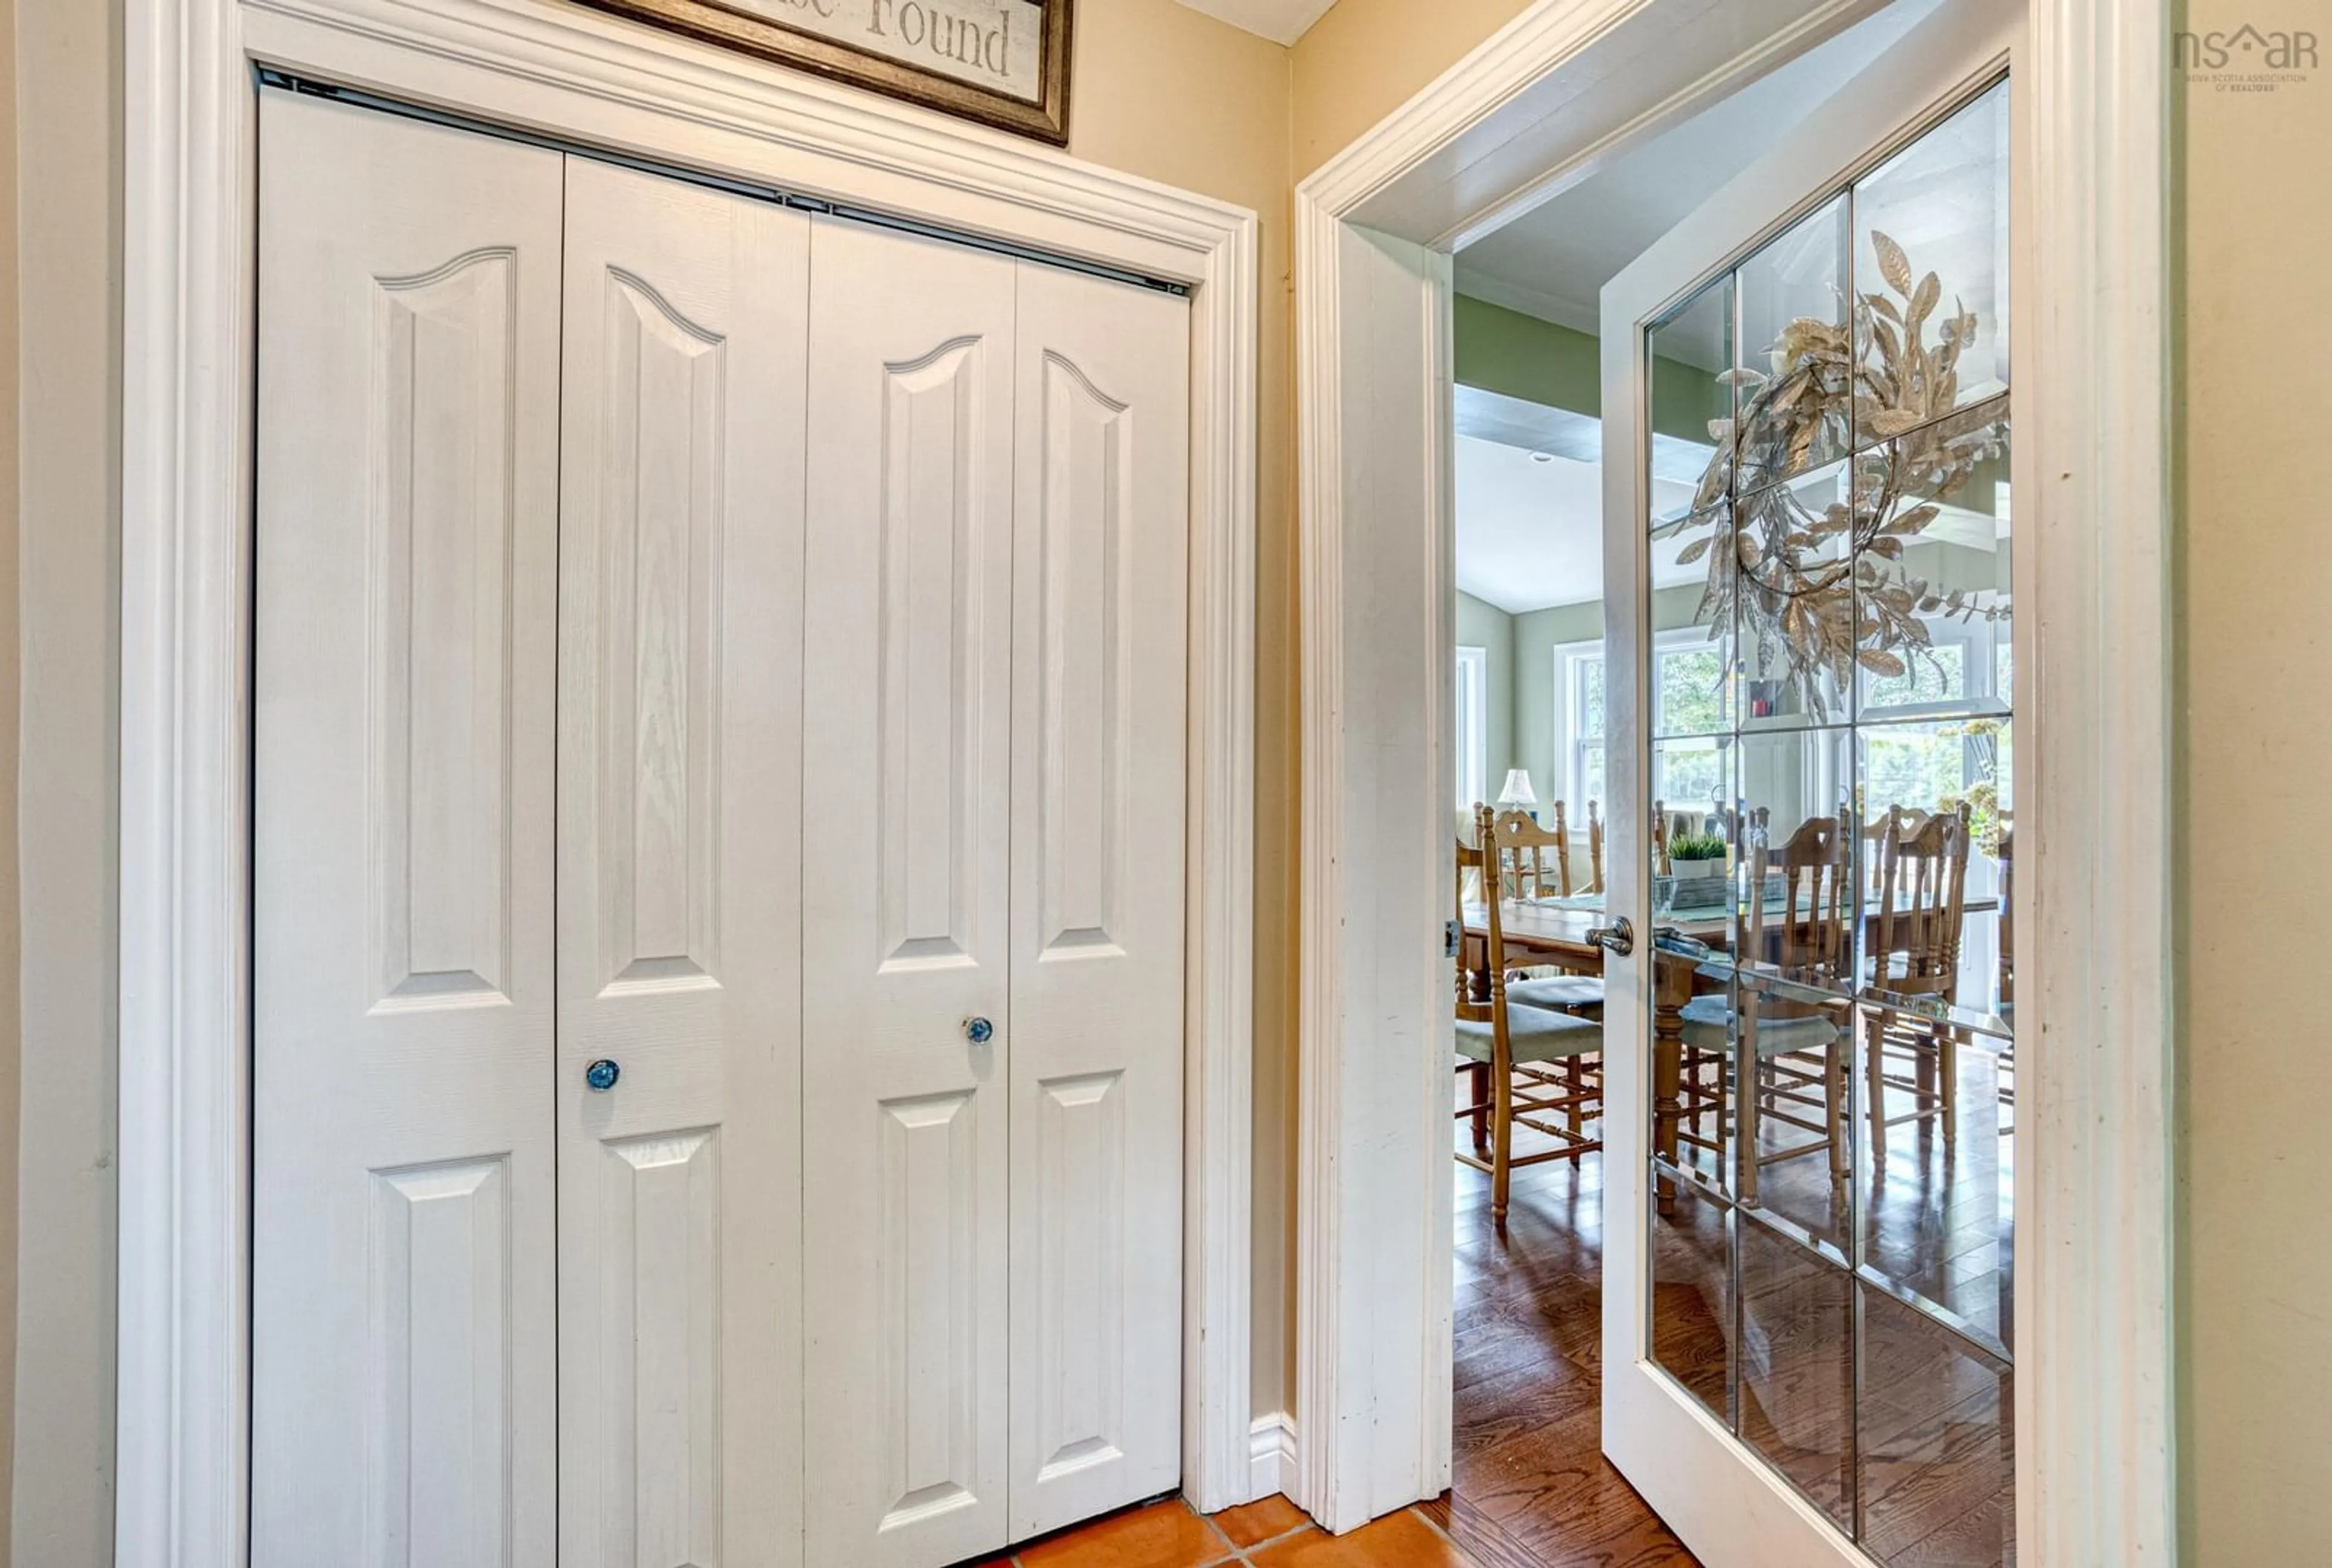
pixel 1693 855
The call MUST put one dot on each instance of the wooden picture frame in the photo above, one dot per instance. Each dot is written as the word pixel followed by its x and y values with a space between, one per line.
pixel 963 46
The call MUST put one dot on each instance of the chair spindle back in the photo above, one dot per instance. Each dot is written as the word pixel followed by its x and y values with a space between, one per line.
pixel 1922 891
pixel 1808 946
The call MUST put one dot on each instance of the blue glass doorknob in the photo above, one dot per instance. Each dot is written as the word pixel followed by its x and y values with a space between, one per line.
pixel 602 1075
pixel 979 1031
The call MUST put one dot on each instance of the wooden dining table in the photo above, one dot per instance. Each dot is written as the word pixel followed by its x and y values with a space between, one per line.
pixel 1536 932
pixel 1555 932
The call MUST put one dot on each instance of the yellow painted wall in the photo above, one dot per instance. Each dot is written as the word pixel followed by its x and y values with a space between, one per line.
pixel 1168 93
pixel 1164 91
pixel 67 164
pixel 1366 58
pixel 2254 748
pixel 11 1035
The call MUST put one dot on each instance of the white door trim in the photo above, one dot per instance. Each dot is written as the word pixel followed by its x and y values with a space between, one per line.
pixel 183 1401
pixel 2096 1480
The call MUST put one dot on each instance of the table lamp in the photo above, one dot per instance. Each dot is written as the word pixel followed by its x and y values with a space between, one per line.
pixel 1518 794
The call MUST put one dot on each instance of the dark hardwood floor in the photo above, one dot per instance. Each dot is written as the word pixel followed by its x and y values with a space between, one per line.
pixel 1936 1459
pixel 1531 1488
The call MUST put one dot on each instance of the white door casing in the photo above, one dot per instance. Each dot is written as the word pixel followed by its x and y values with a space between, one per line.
pixel 1100 503
pixel 181 1489
pixel 403 1387
pixel 907 731
pixel 680 775
pixel 1730 1507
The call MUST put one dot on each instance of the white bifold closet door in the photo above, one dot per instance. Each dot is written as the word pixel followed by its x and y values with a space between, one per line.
pixel 500 1318
pixel 404 1392
pixel 1100 498
pixel 993 896
pixel 743 654
pixel 679 680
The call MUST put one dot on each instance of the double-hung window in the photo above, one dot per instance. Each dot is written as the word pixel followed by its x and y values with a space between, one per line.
pixel 1473 738
pixel 1688 702
pixel 1923 762
pixel 1930 735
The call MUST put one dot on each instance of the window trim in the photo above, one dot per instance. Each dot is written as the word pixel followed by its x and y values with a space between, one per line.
pixel 1472 743
pixel 1569 757
pixel 1569 746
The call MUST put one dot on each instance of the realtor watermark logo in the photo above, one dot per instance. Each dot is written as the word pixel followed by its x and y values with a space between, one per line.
pixel 2248 59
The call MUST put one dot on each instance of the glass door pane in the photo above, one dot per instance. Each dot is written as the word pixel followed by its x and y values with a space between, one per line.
pixel 1828 1128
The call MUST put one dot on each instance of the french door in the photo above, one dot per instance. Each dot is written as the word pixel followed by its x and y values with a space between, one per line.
pixel 1809 1321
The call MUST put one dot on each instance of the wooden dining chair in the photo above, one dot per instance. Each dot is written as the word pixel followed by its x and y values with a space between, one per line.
pixel 1594 849
pixel 1523 849
pixel 1522 846
pixel 1921 889
pixel 1660 865
pixel 2006 926
pixel 1791 1010
pixel 1523 1066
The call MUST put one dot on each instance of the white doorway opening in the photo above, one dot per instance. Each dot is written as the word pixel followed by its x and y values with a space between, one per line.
pixel 1542 105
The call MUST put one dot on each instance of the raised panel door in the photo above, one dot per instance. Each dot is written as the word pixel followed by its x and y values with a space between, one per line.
pixel 404 1403
pixel 679 861
pixel 1100 502
pixel 907 731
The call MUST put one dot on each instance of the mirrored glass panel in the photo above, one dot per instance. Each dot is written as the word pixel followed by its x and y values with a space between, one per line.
pixel 1692 1292
pixel 1692 783
pixel 1932 580
pixel 1937 1446
pixel 1791 1024
pixel 1690 403
pixel 1793 787
pixel 1795 371
pixel 1931 268
pixel 1796 1365
pixel 1794 599
pixel 1834 1068
pixel 1693 668
pixel 1940 1233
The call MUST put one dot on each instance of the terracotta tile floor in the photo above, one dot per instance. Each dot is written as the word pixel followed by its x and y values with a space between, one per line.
pixel 1272 1534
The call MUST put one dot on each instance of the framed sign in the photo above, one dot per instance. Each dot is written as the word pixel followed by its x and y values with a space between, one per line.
pixel 1004 63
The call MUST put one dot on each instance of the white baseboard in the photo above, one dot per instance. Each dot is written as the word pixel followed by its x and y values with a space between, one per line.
pixel 1271 1446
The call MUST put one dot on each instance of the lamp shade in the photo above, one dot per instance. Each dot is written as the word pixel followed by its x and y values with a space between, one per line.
pixel 1518 791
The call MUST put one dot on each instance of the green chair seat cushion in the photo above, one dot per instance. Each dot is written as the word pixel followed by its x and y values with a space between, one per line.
pixel 1533 1034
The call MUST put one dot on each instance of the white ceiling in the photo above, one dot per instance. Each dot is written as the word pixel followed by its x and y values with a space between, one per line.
pixel 1554 261
pixel 1281 20
pixel 1530 526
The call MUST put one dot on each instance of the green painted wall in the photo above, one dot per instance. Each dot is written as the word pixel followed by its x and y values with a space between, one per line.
pixel 1518 356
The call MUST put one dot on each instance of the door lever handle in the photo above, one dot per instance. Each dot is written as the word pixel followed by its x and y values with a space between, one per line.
pixel 1619 938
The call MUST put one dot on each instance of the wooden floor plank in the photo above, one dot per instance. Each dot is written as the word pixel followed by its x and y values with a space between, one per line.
pixel 1936 1461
